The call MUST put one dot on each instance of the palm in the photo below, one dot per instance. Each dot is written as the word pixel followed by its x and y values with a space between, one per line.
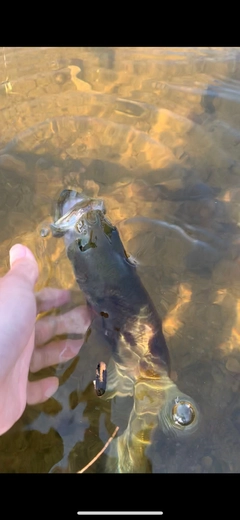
pixel 21 336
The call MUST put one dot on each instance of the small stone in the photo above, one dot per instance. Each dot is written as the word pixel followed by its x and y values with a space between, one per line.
pixel 61 77
pixel 43 164
pixel 207 461
pixel 44 232
pixel 233 365
pixel 10 163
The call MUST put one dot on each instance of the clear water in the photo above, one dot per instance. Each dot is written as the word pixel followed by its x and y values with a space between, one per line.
pixel 156 133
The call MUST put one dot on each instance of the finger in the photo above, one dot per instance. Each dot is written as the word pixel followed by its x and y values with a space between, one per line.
pixel 40 391
pixel 54 353
pixel 75 321
pixel 23 265
pixel 48 298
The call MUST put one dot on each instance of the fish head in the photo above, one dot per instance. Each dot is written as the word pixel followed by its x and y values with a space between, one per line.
pixel 76 215
pixel 92 241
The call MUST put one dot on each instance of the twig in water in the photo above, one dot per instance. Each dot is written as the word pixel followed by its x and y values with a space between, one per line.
pixel 100 452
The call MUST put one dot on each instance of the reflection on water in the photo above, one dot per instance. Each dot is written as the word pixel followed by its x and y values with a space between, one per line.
pixel 155 132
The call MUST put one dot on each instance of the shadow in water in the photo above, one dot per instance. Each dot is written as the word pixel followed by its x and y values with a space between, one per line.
pixel 188 255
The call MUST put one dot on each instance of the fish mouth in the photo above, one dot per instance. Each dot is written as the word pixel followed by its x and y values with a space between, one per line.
pixel 72 207
pixel 77 217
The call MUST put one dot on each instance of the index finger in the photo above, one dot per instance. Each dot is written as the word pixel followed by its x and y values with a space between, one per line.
pixel 48 298
pixel 75 321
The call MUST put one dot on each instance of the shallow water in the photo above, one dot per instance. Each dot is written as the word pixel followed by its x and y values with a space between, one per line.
pixel 156 133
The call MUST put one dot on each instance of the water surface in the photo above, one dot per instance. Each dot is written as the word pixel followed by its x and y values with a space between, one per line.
pixel 156 133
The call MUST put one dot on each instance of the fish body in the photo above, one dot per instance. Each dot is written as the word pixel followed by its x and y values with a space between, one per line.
pixel 140 362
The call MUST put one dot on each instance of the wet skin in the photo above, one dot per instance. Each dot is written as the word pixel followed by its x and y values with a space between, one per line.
pixel 140 362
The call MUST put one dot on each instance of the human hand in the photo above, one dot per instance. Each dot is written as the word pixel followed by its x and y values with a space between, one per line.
pixel 20 333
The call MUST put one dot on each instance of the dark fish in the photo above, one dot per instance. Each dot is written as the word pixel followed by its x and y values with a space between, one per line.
pixel 140 362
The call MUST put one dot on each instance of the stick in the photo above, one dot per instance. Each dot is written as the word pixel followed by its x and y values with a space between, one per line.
pixel 100 452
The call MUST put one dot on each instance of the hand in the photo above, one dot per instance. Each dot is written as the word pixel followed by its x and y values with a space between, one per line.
pixel 20 333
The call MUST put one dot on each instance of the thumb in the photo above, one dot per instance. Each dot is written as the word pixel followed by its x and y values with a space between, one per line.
pixel 23 263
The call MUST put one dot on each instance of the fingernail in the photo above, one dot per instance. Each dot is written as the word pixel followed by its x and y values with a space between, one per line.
pixel 51 390
pixel 75 348
pixel 19 251
pixel 70 351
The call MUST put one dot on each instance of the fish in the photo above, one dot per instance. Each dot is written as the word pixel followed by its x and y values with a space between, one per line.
pixel 140 361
